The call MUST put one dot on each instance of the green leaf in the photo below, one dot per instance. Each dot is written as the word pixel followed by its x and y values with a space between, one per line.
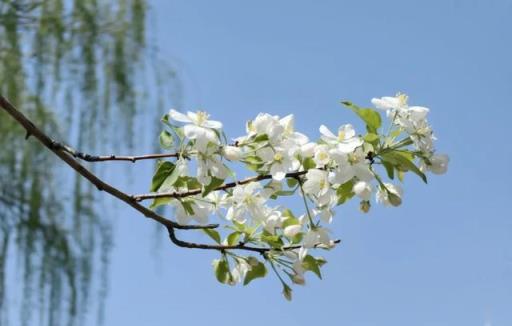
pixel 344 192
pixel 369 116
pixel 163 171
pixel 371 137
pixel 309 163
pixel 403 162
pixel 166 140
pixel 232 239
pixel 292 182
pixel 285 193
pixel 159 202
pixel 309 263
pixel 261 138
pixel 287 292
pixel 221 269
pixel 214 184
pixel 390 169
pixel 213 234
pixel 187 205
pixel 252 160
pixel 257 271
pixel 273 240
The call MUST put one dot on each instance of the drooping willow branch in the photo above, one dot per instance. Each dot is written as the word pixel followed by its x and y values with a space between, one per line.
pixel 70 156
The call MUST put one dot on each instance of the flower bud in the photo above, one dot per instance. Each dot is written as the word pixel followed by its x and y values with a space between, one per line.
pixel 298 279
pixel 292 230
pixel 364 206
pixel 232 153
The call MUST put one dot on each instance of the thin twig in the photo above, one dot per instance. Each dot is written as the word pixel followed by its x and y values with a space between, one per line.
pixel 171 226
pixel 174 194
pixel 103 158
pixel 74 164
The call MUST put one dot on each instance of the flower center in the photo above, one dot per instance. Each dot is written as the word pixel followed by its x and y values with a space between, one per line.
pixel 323 156
pixel 202 117
pixel 353 158
pixel 402 98
pixel 341 135
pixel 278 157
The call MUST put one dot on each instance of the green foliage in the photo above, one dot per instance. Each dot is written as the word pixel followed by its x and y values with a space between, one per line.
pixel 369 116
pixel 71 66
pixel 258 270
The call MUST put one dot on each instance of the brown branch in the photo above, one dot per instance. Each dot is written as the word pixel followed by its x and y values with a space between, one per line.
pixel 240 246
pixel 92 178
pixel 173 194
pixel 69 158
pixel 103 158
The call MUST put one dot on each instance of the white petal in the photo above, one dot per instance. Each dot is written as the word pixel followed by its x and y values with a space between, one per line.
pixel 178 116
pixel 213 124
pixel 326 132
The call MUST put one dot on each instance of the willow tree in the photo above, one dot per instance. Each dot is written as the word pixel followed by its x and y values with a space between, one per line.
pixel 74 67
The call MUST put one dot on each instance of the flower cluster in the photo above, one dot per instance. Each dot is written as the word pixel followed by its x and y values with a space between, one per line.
pixel 325 173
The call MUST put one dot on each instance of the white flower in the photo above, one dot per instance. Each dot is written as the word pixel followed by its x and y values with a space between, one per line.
pixel 292 230
pixel 363 190
pixel 246 202
pixel 350 166
pixel 307 150
pixel 200 212
pixel 232 153
pixel 239 271
pixel 273 220
pixel 322 156
pixel 280 160
pixel 198 127
pixel 209 165
pixel 317 236
pixel 389 195
pixel 346 140
pixel 439 163
pixel 266 124
pixel 317 183
pixel 390 103
pixel 289 132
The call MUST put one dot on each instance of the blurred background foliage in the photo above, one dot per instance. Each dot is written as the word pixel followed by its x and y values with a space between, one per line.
pixel 80 69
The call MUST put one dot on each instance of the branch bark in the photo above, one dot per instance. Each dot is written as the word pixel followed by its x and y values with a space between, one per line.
pixel 69 156
pixel 172 194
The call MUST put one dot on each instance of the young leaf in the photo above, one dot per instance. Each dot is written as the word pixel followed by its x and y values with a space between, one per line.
pixel 232 239
pixel 369 116
pixel 221 269
pixel 163 171
pixel 258 270
pixel 404 163
pixel 311 264
pixel 166 140
pixel 212 234
pixel 159 202
pixel 215 183
pixel 344 192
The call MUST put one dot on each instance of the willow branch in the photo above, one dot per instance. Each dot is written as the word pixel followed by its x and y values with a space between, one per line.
pixel 58 150
pixel 174 194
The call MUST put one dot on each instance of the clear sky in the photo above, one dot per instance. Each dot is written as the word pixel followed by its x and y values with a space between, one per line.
pixel 443 258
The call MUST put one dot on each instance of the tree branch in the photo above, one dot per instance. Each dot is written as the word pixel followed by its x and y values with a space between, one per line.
pixel 102 158
pixel 68 156
pixel 173 194
pixel 56 148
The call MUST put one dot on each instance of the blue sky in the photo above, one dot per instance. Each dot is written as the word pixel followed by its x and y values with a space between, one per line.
pixel 443 258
